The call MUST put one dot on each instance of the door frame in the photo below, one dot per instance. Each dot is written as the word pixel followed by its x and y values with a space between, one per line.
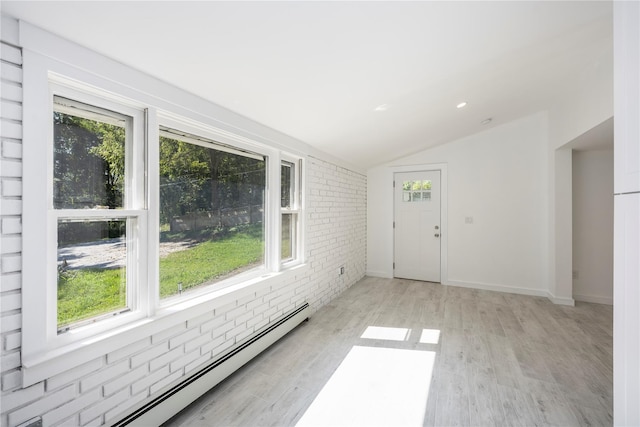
pixel 444 219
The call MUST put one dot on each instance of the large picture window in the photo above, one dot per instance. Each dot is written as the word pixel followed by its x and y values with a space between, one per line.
pixel 211 212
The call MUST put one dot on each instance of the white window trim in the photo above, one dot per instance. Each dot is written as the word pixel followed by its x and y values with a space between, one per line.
pixel 297 209
pixel 47 58
pixel 137 286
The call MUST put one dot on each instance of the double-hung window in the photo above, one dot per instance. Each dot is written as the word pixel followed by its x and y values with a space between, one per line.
pixel 97 214
pixel 290 209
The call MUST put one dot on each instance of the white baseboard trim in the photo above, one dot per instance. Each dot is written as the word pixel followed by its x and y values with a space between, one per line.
pixel 561 300
pixel 499 288
pixel 515 290
pixel 381 274
pixel 508 289
pixel 594 299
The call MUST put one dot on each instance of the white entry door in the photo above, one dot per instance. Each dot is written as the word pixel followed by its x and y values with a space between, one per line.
pixel 417 225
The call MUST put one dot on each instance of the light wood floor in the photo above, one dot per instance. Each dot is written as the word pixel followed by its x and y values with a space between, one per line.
pixel 500 359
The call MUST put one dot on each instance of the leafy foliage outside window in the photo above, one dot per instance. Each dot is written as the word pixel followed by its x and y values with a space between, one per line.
pixel 88 163
pixel 416 185
pixel 194 178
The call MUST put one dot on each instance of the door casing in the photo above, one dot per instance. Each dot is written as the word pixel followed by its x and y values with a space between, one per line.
pixel 444 220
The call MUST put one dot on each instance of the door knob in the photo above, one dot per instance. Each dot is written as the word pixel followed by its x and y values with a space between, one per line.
pixel 437 227
pixel 437 235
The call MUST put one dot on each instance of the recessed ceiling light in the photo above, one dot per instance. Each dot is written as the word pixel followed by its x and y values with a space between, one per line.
pixel 486 121
pixel 381 107
pixel 461 105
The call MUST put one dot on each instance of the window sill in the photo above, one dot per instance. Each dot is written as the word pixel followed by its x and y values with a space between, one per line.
pixel 36 368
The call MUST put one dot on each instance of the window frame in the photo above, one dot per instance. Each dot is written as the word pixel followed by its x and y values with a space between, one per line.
pixel 209 138
pixel 133 211
pixel 295 210
pixel 46 323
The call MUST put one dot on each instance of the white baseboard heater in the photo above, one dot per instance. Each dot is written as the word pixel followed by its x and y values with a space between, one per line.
pixel 164 406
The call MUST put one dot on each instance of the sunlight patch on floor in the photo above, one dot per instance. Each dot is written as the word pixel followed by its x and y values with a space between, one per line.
pixel 384 333
pixel 430 336
pixel 374 386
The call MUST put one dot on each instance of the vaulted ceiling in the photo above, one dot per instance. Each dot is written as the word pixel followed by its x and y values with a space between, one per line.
pixel 364 81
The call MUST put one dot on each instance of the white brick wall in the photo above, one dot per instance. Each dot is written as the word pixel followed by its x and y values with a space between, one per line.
pixel 102 389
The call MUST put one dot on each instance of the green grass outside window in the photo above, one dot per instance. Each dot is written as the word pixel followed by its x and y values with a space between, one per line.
pixel 86 293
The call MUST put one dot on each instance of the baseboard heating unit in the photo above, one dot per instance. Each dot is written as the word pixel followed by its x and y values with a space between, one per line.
pixel 164 406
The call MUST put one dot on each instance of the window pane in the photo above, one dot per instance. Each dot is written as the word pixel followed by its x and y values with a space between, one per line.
pixel 91 270
pixel 288 236
pixel 211 215
pixel 286 184
pixel 88 157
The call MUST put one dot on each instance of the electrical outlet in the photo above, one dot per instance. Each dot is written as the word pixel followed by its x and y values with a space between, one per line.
pixel 341 270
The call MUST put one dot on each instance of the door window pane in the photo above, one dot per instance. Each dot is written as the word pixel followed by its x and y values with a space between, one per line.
pixel 411 191
pixel 211 213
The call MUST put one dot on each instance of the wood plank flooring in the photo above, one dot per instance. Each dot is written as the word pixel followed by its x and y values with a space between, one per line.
pixel 500 359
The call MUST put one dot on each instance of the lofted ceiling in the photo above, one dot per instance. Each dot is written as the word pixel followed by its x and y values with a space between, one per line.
pixel 367 82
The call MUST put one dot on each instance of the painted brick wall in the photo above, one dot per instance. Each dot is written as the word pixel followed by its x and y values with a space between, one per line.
pixel 102 389
pixel 336 210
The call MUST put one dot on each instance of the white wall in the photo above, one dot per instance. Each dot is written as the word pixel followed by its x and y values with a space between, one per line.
pixel 560 227
pixel 574 115
pixel 593 226
pixel 499 178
